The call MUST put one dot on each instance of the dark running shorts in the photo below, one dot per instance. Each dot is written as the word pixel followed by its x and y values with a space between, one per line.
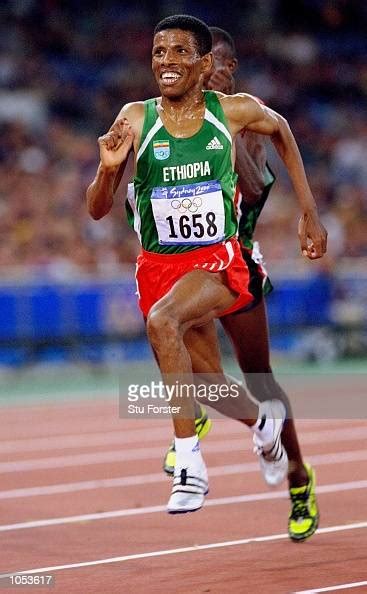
pixel 259 283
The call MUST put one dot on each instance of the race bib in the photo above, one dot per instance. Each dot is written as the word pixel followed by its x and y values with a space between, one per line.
pixel 189 214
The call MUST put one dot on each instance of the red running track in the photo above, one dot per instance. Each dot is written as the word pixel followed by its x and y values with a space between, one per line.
pixel 82 498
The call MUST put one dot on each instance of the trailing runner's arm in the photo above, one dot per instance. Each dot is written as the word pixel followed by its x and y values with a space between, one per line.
pixel 243 111
pixel 250 165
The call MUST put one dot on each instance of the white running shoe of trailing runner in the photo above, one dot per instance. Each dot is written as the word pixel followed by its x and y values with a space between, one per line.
pixel 272 455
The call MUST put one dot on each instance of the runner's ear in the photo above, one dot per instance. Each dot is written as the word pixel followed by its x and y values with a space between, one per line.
pixel 232 65
pixel 207 64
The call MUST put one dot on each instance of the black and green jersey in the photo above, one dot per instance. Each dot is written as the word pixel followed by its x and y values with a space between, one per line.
pixel 184 187
pixel 249 214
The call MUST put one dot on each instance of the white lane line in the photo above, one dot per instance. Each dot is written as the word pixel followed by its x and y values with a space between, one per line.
pixel 333 588
pixel 85 440
pixel 160 477
pixel 121 455
pixel 196 548
pixel 130 436
pixel 148 453
pixel 154 509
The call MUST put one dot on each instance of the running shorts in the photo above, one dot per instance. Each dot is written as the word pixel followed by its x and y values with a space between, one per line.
pixel 259 282
pixel 157 273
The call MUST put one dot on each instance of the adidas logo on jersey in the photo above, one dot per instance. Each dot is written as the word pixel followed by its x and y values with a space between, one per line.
pixel 214 144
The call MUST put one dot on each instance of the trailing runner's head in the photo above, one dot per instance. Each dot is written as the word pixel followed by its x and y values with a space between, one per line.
pixel 225 62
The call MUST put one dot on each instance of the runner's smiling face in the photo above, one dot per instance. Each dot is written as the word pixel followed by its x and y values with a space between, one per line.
pixel 176 62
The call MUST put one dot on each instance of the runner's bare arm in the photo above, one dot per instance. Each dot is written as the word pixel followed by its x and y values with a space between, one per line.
pixel 250 147
pixel 114 147
pixel 250 165
pixel 243 111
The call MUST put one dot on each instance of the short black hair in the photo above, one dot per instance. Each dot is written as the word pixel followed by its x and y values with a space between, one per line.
pixel 198 28
pixel 219 34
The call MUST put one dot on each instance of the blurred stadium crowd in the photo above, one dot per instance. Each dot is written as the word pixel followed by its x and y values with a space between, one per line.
pixel 66 68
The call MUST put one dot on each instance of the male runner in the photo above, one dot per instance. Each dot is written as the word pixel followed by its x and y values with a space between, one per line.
pixel 248 330
pixel 191 269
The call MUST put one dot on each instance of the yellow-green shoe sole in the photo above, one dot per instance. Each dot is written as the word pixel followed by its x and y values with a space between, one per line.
pixel 302 536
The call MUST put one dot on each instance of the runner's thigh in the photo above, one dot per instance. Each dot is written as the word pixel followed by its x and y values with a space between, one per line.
pixel 196 298
pixel 248 332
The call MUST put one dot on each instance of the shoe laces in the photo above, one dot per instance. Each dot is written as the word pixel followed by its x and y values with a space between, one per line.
pixel 299 505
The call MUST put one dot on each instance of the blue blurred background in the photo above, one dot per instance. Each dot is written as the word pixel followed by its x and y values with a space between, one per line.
pixel 67 293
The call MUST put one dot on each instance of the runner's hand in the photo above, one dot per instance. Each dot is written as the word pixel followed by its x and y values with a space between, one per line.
pixel 115 146
pixel 312 235
pixel 222 80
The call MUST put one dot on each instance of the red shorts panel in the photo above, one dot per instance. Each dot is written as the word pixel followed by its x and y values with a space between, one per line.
pixel 157 273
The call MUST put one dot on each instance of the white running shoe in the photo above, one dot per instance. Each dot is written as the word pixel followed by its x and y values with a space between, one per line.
pixel 190 485
pixel 272 455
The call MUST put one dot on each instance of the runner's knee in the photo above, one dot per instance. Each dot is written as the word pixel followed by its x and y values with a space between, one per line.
pixel 162 327
pixel 263 386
